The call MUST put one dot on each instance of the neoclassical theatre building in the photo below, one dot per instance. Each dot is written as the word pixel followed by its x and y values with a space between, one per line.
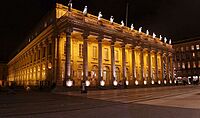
pixel 68 47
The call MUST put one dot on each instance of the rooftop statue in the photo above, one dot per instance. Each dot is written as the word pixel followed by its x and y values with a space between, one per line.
pixel 170 41
pixel 165 39
pixel 111 19
pixel 132 27
pixel 147 32
pixel 154 35
pixel 99 16
pixel 140 29
pixel 160 37
pixel 70 5
pixel 85 11
pixel 122 23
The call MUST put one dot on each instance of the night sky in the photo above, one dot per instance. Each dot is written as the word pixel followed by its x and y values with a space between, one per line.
pixel 175 19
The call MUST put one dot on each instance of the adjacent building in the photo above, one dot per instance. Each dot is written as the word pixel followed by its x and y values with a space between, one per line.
pixel 69 47
pixel 187 59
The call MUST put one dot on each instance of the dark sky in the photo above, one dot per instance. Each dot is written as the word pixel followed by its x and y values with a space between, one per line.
pixel 175 19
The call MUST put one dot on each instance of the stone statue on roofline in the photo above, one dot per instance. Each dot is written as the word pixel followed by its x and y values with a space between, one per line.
pixel 140 29
pixel 160 37
pixel 132 27
pixel 85 11
pixel 111 19
pixel 147 32
pixel 69 5
pixel 154 35
pixel 122 23
pixel 165 39
pixel 99 16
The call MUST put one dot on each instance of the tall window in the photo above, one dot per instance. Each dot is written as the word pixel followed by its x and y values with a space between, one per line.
pixel 106 53
pixel 44 52
pixel 187 48
pixel 80 50
pixel 94 51
pixel 199 64
pixel 193 55
pixel 179 65
pixel 197 47
pixel 183 65
pixel 50 49
pixel 181 49
pixel 116 55
pixel 188 64
pixel 194 64
pixel 38 54
pixel 198 54
pixel 192 47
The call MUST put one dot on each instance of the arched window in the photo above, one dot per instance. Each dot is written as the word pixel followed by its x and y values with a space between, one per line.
pixel 106 73
pixel 117 72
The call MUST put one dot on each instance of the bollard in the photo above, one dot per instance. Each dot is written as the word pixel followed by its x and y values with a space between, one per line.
pixel 83 87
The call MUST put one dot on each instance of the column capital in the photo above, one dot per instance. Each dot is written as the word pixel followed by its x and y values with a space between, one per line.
pixel 68 30
pixel 85 34
pixel 100 37
pixel 123 44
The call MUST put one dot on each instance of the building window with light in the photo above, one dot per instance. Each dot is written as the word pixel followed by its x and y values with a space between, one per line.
pixel 188 64
pixel 181 49
pixel 193 55
pixel 116 55
pixel 183 65
pixel 106 53
pixel 194 64
pixel 197 47
pixel 192 47
pixel 179 65
pixel 80 51
pixel 94 51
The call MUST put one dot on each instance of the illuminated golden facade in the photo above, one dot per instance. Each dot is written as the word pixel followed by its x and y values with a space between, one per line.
pixel 72 46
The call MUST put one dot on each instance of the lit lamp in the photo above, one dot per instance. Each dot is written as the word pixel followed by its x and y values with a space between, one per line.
pixel 159 82
pixel 165 82
pixel 145 82
pixel 102 83
pixel 127 82
pixel 174 81
pixel 115 83
pixel 87 82
pixel 170 81
pixel 152 82
pixel 69 83
pixel 49 65
pixel 136 82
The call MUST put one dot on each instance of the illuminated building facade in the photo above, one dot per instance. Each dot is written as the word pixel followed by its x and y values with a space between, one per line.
pixel 187 59
pixel 68 45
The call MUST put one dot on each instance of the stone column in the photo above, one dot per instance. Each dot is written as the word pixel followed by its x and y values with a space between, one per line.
pixel 156 67
pixel 141 65
pixel 149 66
pixel 172 67
pixel 68 56
pixel 58 59
pixel 124 62
pixel 162 65
pixel 85 56
pixel 99 59
pixel 113 60
pixel 133 64
pixel 168 65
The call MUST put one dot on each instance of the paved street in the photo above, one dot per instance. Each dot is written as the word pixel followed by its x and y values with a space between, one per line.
pixel 162 102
